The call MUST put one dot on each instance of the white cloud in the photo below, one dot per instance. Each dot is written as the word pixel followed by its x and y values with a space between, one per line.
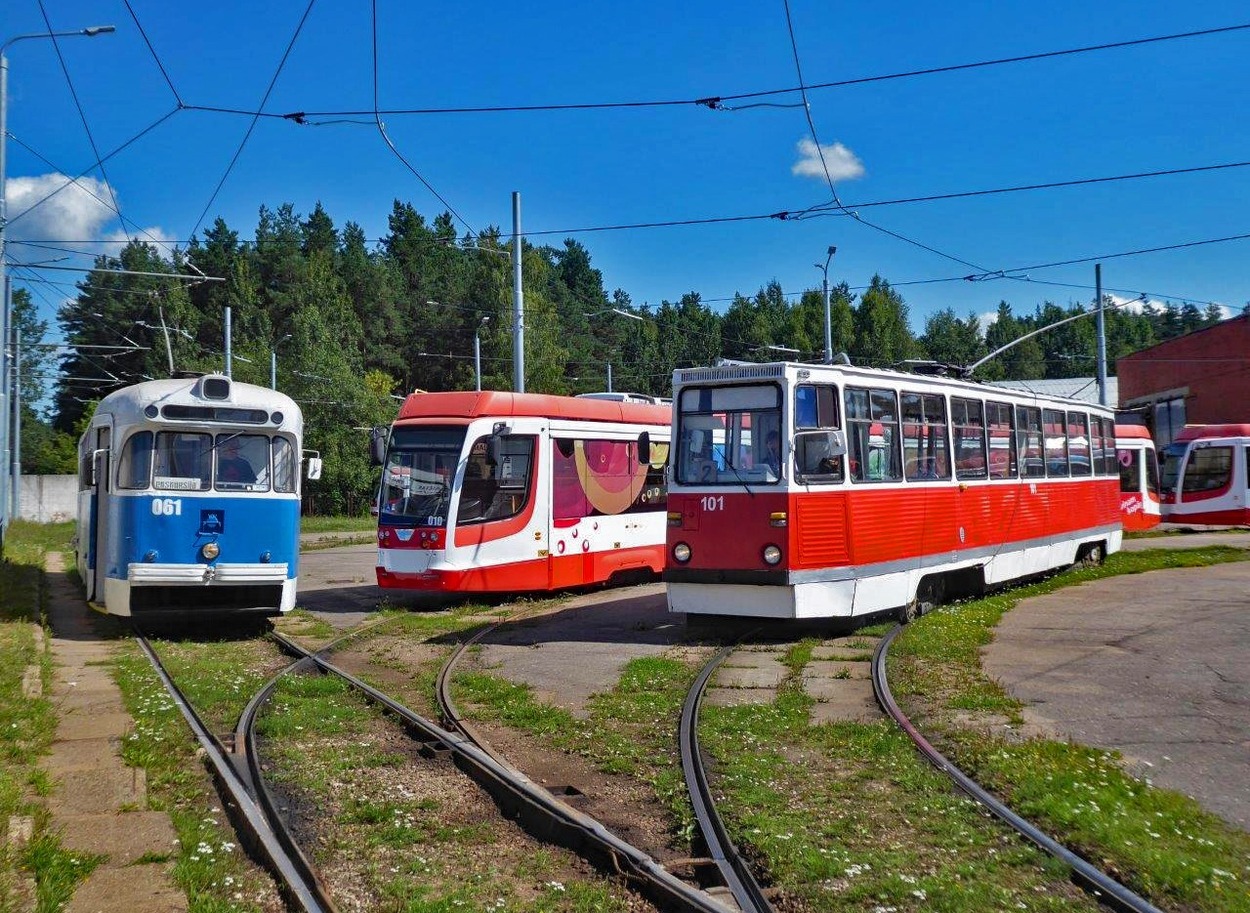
pixel 73 214
pixel 843 164
pixel 162 240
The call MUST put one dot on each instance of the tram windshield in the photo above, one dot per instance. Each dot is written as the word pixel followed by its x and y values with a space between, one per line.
pixel 1170 459
pixel 186 460
pixel 420 466
pixel 1130 459
pixel 729 435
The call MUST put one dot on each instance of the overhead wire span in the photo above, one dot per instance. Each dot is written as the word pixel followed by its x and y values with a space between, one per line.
pixel 252 126
pixel 717 102
pixel 156 57
pixel 377 117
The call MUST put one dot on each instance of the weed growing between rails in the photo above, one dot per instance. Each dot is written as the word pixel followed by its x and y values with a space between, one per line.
pixel 1159 843
pixel 35 872
pixel 210 867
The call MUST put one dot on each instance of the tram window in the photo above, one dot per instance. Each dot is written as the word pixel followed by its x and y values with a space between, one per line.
pixel 496 491
pixel 968 421
pixel 1129 461
pixel 1108 446
pixel 1096 445
pixel 1029 435
pixel 1002 441
pixel 924 437
pixel 724 432
pixel 242 462
pixel 135 469
pixel 1152 471
pixel 816 407
pixel 598 477
pixel 1208 469
pixel 1078 444
pixel 1056 442
pixel 284 465
pixel 1170 459
pixel 183 461
pixel 873 435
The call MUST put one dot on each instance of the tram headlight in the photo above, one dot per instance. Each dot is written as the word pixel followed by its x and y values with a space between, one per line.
pixel 150 556
pixel 772 554
pixel 681 553
pixel 266 557
pixel 210 550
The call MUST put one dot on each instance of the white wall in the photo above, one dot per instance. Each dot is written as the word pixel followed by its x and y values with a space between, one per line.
pixel 48 499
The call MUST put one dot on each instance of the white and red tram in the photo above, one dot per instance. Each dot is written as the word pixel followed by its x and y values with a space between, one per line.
pixel 891 491
pixel 506 492
pixel 1205 476
pixel 1139 478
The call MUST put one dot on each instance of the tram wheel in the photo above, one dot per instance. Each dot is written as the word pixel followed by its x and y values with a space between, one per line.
pixel 1093 556
pixel 928 596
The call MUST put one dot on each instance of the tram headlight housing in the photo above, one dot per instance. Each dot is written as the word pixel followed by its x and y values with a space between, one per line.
pixel 210 550
pixel 772 554
pixel 681 552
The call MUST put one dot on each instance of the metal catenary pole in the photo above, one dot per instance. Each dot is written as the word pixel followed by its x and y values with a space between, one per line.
pixel 1102 336
pixel 518 300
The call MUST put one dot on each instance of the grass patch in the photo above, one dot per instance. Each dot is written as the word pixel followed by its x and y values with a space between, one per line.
pixel 338 524
pixel 1162 844
pixel 208 866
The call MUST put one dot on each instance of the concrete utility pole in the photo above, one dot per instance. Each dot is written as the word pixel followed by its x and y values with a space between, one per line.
pixel 229 360
pixel 1102 338
pixel 16 497
pixel 6 319
pixel 518 300
pixel 824 287
pixel 477 353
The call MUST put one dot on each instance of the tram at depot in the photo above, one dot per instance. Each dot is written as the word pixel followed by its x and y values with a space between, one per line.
pixel 1140 507
pixel 513 492
pixel 189 499
pixel 811 491
pixel 1205 476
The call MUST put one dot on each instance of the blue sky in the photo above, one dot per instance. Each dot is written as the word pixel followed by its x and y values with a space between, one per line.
pixel 1170 105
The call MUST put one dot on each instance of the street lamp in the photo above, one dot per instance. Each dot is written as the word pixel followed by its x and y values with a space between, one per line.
pixel 477 353
pixel 6 311
pixel 824 287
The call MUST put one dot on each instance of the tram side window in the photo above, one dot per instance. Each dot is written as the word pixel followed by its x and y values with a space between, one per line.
pixel 1078 444
pixel 924 437
pixel 1208 469
pixel 1029 433
pixel 596 477
pixel 183 461
pixel 496 492
pixel 968 422
pixel 873 435
pixel 1002 440
pixel 285 463
pixel 815 409
pixel 135 469
pixel 1056 442
pixel 1098 446
pixel 1129 460
pixel 1108 447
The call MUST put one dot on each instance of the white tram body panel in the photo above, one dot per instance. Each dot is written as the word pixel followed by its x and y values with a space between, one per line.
pixel 888 489
pixel 1205 476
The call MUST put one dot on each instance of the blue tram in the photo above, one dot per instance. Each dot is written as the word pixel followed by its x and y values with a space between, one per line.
pixel 189 499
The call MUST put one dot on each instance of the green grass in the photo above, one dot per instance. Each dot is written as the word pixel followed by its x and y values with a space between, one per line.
pixel 209 865
pixel 338 524
pixel 27 725
pixel 1165 845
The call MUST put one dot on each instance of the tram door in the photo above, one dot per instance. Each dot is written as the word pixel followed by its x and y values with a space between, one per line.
pixel 101 495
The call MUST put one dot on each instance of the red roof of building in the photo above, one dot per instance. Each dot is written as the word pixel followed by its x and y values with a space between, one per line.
pixel 469 405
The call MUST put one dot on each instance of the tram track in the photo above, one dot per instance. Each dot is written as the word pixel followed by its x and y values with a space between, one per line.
pixel 1102 886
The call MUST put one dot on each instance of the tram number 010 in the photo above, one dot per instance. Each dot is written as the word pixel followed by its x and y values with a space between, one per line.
pixel 167 507
pixel 712 502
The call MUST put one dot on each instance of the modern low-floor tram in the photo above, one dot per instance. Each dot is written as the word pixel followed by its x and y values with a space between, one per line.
pixel 886 491
pixel 189 499
pixel 1205 476
pixel 512 492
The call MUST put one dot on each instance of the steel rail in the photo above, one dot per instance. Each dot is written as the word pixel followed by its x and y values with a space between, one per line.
pixel 308 894
pixel 543 815
pixel 1103 886
pixel 733 868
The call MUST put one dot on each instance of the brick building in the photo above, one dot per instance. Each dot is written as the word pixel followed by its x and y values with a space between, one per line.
pixel 1202 378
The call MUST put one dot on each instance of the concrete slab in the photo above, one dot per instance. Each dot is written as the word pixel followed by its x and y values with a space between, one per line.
pixel 1152 665
pixel 75 726
pixel 751 676
pixel 101 790
pixel 124 837
pixel 827 668
pixel 739 697
pixel 126 890
pixel 850 702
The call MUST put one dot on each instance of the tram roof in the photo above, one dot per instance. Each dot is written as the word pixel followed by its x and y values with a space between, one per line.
pixel 1206 432
pixel 474 404
pixel 1130 432
pixel 129 402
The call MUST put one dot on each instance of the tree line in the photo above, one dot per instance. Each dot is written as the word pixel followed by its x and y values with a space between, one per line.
pixel 356 323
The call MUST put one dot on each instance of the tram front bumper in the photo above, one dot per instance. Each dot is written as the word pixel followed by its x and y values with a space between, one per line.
pixel 144 574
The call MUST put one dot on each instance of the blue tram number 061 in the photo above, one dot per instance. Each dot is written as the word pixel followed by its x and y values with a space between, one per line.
pixel 167 507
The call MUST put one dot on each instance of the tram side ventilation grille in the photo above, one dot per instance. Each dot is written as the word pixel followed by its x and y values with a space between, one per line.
pixel 736 372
